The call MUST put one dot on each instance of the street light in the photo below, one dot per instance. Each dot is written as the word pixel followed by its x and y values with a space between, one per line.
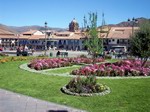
pixel 45 38
pixel 133 21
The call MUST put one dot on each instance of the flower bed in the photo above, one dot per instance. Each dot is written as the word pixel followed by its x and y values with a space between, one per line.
pixel 8 59
pixel 122 68
pixel 85 87
pixel 41 64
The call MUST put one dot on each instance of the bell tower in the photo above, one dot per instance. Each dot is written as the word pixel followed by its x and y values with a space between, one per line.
pixel 73 26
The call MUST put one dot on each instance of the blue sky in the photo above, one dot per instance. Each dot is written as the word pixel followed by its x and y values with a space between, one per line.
pixel 58 13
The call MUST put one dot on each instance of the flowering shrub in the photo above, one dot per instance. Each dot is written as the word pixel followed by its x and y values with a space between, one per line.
pixel 85 85
pixel 4 60
pixel 121 68
pixel 40 64
pixel 8 59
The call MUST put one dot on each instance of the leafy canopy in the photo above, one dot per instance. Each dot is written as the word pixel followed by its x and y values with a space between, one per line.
pixel 93 42
pixel 140 42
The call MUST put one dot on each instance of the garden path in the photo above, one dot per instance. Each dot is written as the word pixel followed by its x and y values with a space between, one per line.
pixel 13 102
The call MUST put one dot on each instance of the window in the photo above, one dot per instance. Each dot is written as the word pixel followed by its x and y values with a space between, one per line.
pixel 64 41
pixel 60 42
pixel 118 41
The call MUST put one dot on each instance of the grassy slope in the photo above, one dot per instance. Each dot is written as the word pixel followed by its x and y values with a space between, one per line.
pixel 128 95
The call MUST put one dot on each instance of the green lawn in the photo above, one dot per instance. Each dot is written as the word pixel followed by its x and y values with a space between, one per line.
pixel 1 57
pixel 64 69
pixel 127 95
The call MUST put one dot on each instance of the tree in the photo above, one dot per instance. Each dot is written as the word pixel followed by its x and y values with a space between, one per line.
pixel 93 42
pixel 140 42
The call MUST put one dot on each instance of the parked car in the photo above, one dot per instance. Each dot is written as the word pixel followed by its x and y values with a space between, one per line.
pixel 1 49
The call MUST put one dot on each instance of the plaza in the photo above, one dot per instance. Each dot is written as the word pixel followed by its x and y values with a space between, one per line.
pixel 74 56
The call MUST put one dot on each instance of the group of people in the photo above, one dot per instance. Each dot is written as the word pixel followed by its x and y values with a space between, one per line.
pixel 63 54
pixel 22 50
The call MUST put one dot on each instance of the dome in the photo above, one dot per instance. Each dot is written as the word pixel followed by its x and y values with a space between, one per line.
pixel 73 26
pixel 74 20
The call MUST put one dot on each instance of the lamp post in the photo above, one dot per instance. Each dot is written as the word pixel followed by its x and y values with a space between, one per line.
pixel 45 38
pixel 133 21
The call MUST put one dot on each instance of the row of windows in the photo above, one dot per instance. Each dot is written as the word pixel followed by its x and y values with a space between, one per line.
pixel 8 40
pixel 118 40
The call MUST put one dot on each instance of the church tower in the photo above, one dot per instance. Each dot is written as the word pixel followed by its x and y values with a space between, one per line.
pixel 73 26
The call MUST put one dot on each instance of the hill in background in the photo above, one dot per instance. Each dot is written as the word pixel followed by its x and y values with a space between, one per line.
pixel 21 29
pixel 35 27
pixel 129 23
pixel 4 28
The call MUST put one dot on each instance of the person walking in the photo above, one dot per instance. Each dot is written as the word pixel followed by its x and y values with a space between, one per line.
pixel 18 51
pixel 58 54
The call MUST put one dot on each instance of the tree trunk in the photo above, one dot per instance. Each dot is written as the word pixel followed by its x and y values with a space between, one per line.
pixel 144 62
pixel 94 58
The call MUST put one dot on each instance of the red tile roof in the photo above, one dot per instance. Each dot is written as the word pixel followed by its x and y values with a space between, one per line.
pixel 120 32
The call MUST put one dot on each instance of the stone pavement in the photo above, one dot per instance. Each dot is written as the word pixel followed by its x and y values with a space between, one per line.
pixel 13 102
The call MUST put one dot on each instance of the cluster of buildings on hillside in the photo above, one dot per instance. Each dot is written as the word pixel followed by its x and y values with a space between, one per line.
pixel 73 39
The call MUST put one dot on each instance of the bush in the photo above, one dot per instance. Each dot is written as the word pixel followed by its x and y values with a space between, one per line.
pixel 4 60
pixel 51 54
pixel 14 58
pixel 85 85
pixel 82 56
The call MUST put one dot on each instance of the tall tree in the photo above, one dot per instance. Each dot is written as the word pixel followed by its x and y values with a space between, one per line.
pixel 93 41
pixel 140 42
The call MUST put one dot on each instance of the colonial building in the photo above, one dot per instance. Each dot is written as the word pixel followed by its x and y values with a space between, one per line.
pixel 33 39
pixel 73 39
pixel 68 40
pixel 8 39
pixel 118 38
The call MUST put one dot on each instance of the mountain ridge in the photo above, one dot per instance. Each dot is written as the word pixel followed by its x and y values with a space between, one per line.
pixel 130 23
pixel 20 29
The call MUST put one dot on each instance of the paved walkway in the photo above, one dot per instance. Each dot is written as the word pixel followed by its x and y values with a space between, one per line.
pixel 37 53
pixel 13 102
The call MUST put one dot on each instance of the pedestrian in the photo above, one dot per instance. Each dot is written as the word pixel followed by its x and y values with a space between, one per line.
pixel 18 51
pixel 58 53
